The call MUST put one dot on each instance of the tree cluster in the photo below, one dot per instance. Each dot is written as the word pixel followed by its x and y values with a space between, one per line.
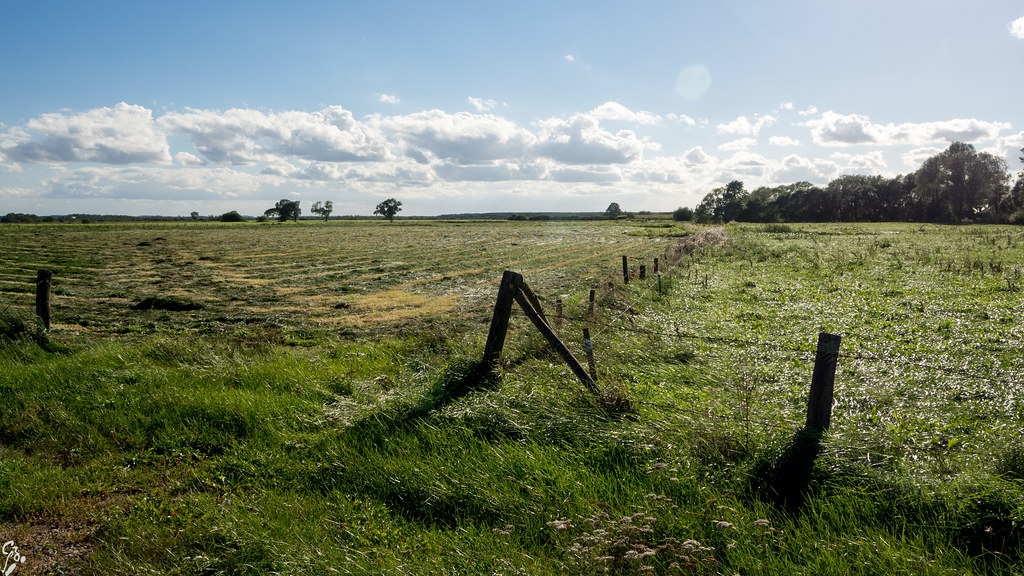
pixel 956 185
pixel 284 210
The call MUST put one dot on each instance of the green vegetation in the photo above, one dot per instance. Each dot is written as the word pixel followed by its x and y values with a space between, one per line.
pixel 324 410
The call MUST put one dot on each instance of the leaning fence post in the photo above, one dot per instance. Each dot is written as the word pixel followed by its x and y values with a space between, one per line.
pixel 43 280
pixel 819 402
pixel 625 270
pixel 502 311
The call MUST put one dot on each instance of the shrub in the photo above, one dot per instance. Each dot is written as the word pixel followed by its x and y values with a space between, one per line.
pixel 683 214
pixel 232 216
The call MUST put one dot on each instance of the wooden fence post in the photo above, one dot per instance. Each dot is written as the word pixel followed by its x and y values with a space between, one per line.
pixel 558 314
pixel 588 345
pixel 590 306
pixel 655 265
pixel 499 321
pixel 643 271
pixel 819 402
pixel 43 280
pixel 625 270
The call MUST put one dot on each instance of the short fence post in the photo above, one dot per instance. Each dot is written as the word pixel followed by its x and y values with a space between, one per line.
pixel 819 402
pixel 502 311
pixel 43 280
pixel 590 306
pixel 643 271
pixel 655 265
pixel 588 345
pixel 625 270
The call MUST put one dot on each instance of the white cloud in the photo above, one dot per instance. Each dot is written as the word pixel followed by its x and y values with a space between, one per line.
pixel 914 158
pixel 809 111
pixel 188 159
pixel 123 134
pixel 742 126
pixel 482 105
pixel 463 138
pixel 389 99
pixel 697 156
pixel 240 136
pixel 682 118
pixel 616 111
pixel 788 106
pixel 1017 28
pixel 833 129
pixel 739 144
pixel 570 58
pixel 868 164
pixel 581 140
pixel 783 141
pixel 795 168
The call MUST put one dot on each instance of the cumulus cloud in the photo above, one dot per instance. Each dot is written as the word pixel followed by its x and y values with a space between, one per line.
pixel 570 58
pixel 783 141
pixel 581 140
pixel 389 99
pixel 742 126
pixel 616 111
pixel 870 163
pixel 794 168
pixel 682 118
pixel 738 144
pixel 696 156
pixel 833 129
pixel 463 138
pixel 122 134
pixel 1017 28
pixel 482 105
pixel 241 136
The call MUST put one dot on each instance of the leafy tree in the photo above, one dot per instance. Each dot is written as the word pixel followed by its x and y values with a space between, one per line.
pixel 722 204
pixel 388 208
pixel 613 210
pixel 960 184
pixel 195 215
pixel 232 216
pixel 284 209
pixel 683 214
pixel 323 209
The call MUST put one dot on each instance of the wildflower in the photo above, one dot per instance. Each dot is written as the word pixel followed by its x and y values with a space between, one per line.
pixel 763 523
pixel 723 525
pixel 561 525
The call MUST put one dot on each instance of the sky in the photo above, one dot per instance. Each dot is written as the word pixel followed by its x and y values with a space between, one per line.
pixel 165 108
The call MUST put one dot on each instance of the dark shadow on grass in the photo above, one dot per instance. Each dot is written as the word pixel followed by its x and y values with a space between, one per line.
pixel 786 480
pixel 455 381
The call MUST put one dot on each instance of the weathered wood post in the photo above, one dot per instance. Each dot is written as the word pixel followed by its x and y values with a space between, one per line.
pixel 590 305
pixel 499 321
pixel 588 345
pixel 44 278
pixel 625 270
pixel 643 271
pixel 819 402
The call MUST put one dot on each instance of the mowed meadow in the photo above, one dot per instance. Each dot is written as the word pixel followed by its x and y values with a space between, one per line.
pixel 308 398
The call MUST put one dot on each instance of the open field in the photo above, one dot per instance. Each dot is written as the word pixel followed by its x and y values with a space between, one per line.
pixel 305 399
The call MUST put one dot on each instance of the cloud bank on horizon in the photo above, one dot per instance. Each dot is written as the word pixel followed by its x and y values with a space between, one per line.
pixel 475 152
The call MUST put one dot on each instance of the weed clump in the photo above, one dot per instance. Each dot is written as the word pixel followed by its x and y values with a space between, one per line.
pixel 14 329
pixel 170 303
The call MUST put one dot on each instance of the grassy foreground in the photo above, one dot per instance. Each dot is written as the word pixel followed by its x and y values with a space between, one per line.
pixel 306 399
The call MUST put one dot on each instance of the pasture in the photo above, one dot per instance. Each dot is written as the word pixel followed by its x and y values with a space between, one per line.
pixel 306 398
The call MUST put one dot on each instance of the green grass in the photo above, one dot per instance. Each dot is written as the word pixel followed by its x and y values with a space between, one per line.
pixel 268 433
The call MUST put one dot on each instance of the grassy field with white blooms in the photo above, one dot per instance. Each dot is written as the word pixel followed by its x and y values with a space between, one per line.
pixel 309 398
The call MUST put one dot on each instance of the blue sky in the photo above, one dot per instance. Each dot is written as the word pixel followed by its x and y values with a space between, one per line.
pixel 166 108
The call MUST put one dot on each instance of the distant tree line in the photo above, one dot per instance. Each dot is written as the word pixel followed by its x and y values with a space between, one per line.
pixel 956 185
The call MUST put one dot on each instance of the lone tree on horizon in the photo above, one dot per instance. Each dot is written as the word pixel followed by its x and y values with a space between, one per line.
pixel 613 210
pixel 388 208
pixel 323 209
pixel 284 209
